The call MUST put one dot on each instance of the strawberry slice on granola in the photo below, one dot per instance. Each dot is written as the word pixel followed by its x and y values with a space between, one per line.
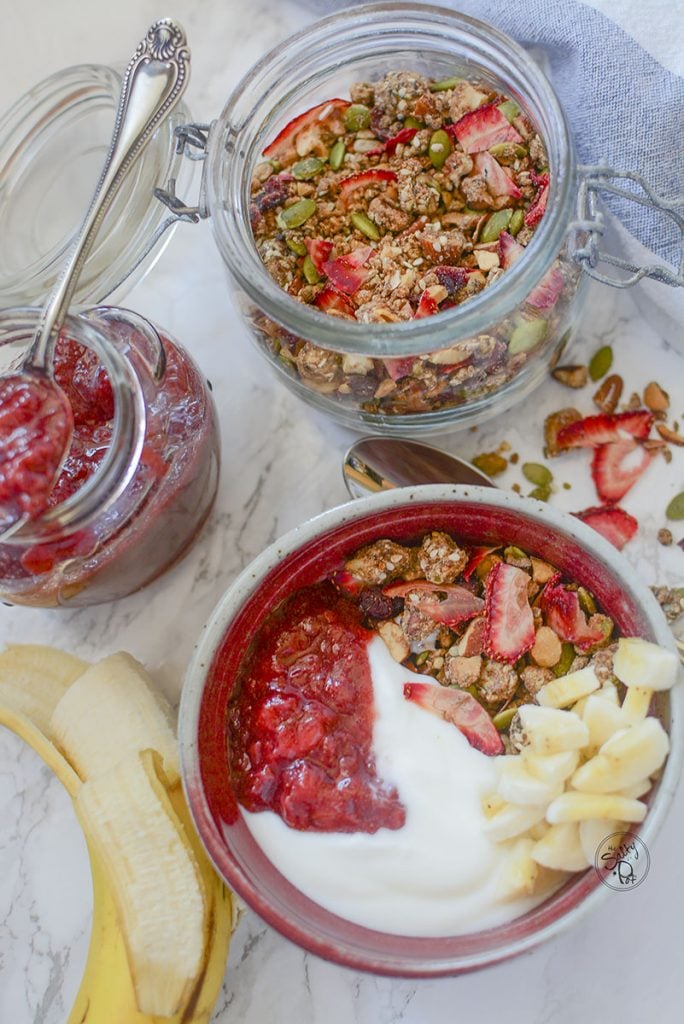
pixel 477 555
pixel 390 147
pixel 509 250
pixel 459 708
pixel 548 291
pixel 538 207
pixel 603 429
pixel 616 467
pixel 445 603
pixel 565 617
pixel 324 114
pixel 498 182
pixel 426 306
pixel 319 250
pixel 612 522
pixel 400 366
pixel 330 300
pixel 509 622
pixel 347 273
pixel 374 176
pixel 483 128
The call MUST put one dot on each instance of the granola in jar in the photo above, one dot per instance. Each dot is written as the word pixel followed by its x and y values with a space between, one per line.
pixel 401 203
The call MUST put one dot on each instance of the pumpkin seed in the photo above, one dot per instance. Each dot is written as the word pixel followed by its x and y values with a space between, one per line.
pixel 356 117
pixel 509 109
pixel 490 463
pixel 540 493
pixel 587 602
pixel 308 168
pixel 439 149
pixel 562 666
pixel 296 215
pixel 526 335
pixel 495 224
pixel 309 271
pixel 675 510
pixel 444 84
pixel 297 247
pixel 504 718
pixel 601 362
pixel 412 122
pixel 517 221
pixel 537 474
pixel 507 150
pixel 365 225
pixel 336 157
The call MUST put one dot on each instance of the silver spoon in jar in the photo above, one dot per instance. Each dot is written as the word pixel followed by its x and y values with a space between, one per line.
pixel 36 420
pixel 375 464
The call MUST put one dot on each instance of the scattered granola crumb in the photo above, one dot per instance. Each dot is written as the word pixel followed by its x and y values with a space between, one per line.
pixel 665 536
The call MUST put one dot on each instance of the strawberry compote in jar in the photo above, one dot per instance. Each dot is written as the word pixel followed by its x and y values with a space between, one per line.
pixel 140 476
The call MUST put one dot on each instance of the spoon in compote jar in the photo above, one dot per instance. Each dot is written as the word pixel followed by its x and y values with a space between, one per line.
pixel 36 420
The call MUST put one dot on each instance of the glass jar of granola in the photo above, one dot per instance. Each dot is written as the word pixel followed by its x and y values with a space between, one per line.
pixel 392 193
pixel 141 473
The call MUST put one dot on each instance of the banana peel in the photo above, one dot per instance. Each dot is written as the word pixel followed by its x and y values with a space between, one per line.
pixel 107 993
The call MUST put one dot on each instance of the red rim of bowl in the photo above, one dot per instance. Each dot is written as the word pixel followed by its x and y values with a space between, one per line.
pixel 311 552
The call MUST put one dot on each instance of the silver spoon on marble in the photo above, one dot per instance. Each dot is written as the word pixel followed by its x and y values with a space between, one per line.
pixel 375 464
pixel 36 420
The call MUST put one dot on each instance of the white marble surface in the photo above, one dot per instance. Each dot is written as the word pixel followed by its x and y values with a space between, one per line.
pixel 281 465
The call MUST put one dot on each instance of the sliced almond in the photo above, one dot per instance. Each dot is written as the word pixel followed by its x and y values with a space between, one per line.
pixel 655 398
pixel 609 393
pixel 572 376
pixel 671 436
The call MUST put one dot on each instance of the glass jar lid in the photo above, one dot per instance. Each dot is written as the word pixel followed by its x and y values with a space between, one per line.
pixel 53 144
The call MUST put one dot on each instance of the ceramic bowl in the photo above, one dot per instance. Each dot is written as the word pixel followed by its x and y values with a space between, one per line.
pixel 479 516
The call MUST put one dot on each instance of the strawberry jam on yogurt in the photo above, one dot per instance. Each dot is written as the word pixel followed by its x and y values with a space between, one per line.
pixel 301 725
pixel 132 493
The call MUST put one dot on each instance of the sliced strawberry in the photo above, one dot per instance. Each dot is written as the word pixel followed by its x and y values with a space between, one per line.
pixel 347 583
pixel 347 273
pixel 451 278
pixel 616 467
pixel 602 429
pixel 472 641
pixel 319 250
pixel 498 182
pixel 539 180
pixel 399 367
pixel 445 603
pixel 548 291
pixel 375 176
pixel 329 300
pixel 426 307
pixel 509 250
pixel 613 523
pixel 283 146
pixel 460 709
pixel 483 128
pixel 389 147
pixel 565 617
pixel 478 555
pixel 509 628
pixel 536 210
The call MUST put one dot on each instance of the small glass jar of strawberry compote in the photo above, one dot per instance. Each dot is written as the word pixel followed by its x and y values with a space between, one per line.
pixel 141 473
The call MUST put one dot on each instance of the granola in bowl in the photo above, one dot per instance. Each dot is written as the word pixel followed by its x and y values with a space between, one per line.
pixel 399 204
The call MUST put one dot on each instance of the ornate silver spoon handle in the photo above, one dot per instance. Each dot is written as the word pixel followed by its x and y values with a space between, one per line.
pixel 153 83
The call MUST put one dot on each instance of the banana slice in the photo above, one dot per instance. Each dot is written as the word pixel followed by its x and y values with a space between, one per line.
pixel 560 848
pixel 583 806
pixel 519 786
pixel 626 758
pixel 34 677
pixel 548 730
pixel 636 704
pixel 640 663
pixel 109 712
pixel 518 872
pixel 602 718
pixel 609 691
pixel 512 820
pixel 564 691
pixel 551 768
pixel 593 832
pixel 637 790
pixel 155 878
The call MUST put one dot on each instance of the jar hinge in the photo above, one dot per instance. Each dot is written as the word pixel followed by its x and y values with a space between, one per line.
pixel 590 225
